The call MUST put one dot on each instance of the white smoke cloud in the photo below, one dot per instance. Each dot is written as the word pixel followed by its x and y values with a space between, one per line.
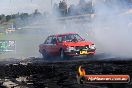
pixel 111 29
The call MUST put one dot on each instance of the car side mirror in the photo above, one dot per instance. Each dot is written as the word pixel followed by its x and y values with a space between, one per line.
pixel 83 39
pixel 56 43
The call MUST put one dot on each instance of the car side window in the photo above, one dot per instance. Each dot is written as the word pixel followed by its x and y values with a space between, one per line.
pixel 67 37
pixel 48 40
pixel 59 38
pixel 54 40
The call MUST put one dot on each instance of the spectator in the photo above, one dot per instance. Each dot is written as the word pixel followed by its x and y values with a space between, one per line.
pixel 63 8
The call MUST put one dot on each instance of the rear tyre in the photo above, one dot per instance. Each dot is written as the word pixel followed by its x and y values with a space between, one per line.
pixel 45 54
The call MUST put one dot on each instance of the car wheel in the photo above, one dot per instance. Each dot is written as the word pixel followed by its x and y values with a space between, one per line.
pixel 45 54
pixel 62 54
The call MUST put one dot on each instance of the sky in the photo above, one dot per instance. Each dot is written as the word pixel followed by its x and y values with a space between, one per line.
pixel 15 6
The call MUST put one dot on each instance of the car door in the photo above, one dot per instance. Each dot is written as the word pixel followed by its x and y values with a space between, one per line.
pixel 54 46
pixel 48 44
pixel 59 42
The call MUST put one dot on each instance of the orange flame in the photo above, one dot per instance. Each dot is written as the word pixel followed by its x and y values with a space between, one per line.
pixel 81 71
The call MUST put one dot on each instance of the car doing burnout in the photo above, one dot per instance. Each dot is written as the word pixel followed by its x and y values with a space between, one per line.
pixel 66 45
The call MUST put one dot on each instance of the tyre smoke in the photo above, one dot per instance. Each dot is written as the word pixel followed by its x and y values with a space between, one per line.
pixel 112 28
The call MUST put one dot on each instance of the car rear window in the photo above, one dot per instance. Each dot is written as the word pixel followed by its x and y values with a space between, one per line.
pixel 48 40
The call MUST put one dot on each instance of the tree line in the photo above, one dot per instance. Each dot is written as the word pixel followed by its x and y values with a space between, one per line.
pixel 60 9
pixel 18 16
